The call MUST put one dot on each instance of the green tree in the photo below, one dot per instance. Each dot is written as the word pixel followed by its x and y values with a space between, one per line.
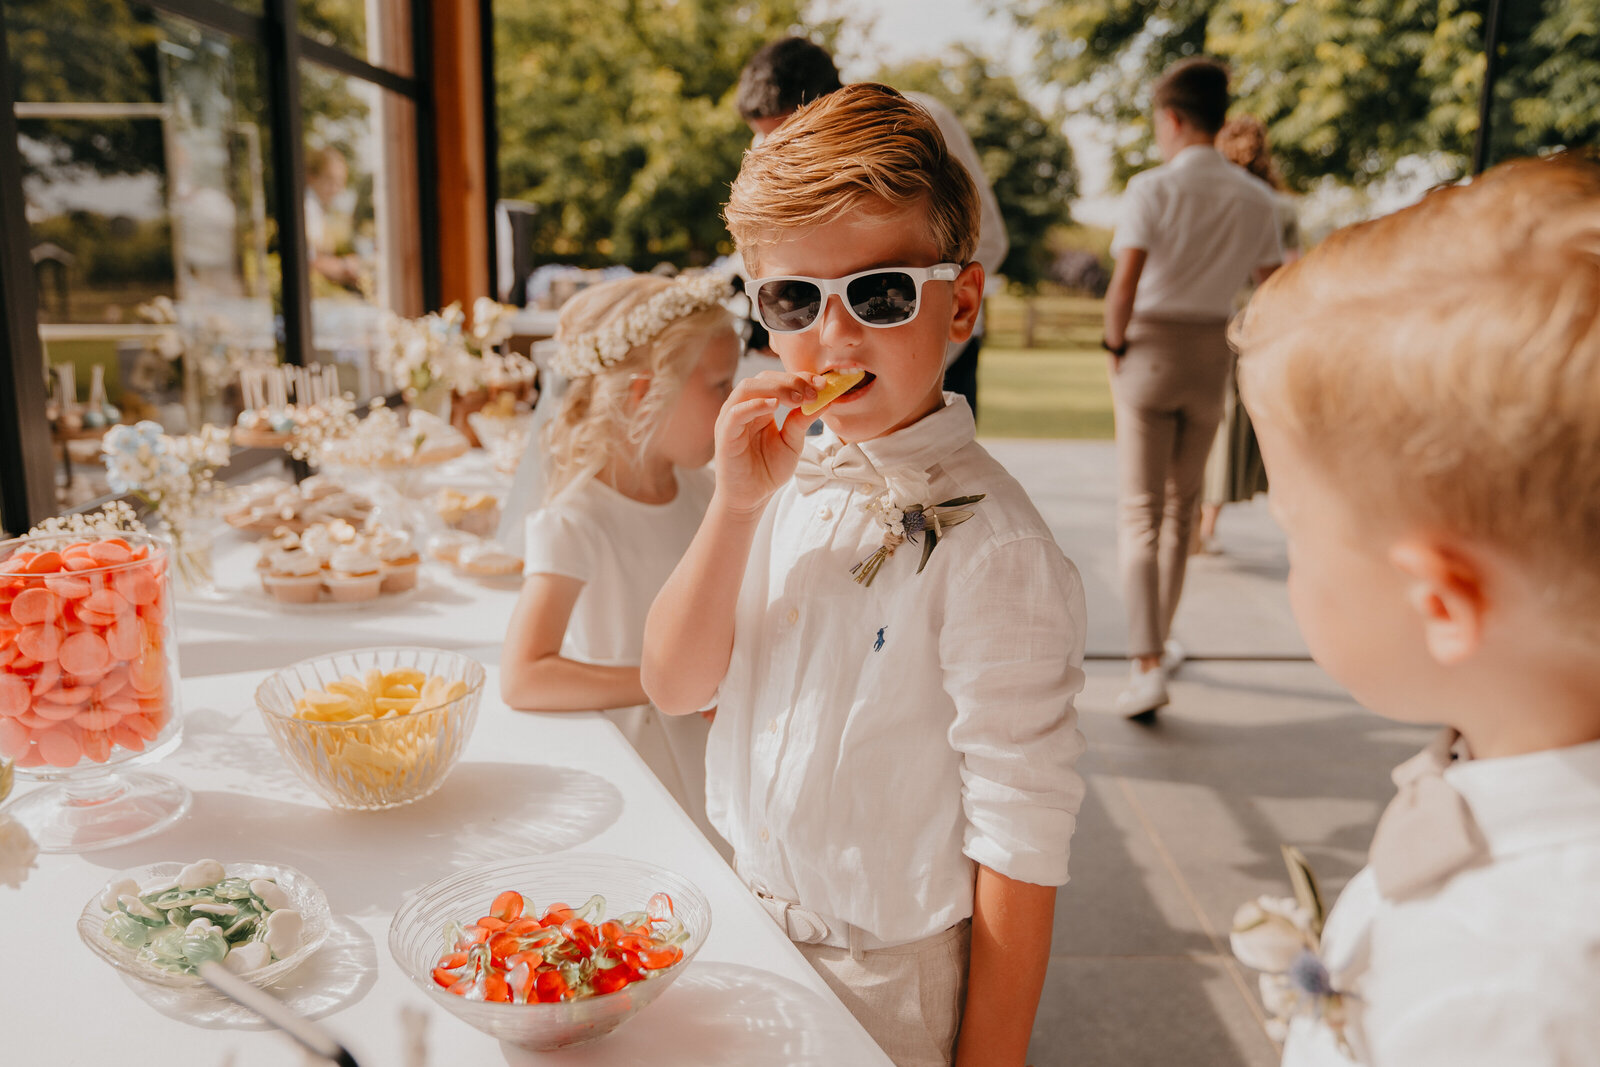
pixel 615 118
pixel 1347 87
pixel 1026 157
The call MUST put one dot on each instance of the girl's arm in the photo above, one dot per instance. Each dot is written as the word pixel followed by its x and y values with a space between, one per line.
pixel 534 676
pixel 1011 926
pixel 689 634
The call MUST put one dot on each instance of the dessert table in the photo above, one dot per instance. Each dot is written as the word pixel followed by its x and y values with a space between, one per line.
pixel 528 784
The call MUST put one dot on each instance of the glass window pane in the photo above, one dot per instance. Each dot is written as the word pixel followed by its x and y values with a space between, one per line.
pixel 361 209
pixel 144 147
pixel 378 31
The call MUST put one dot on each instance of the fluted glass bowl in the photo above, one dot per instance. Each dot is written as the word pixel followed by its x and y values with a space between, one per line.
pixel 368 765
pixel 304 894
pixel 417 939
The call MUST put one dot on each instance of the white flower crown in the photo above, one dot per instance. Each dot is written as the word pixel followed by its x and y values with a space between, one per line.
pixel 591 353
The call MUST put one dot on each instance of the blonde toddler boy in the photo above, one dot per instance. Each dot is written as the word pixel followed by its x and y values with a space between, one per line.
pixel 893 750
pixel 1427 392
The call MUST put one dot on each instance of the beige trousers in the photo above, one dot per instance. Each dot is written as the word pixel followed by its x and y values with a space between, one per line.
pixel 908 997
pixel 1168 393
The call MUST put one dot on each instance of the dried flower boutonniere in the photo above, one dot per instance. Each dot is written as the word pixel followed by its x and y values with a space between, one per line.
pixel 1282 938
pixel 902 524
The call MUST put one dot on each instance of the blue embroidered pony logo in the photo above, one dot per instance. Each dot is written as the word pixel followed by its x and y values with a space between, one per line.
pixel 877 646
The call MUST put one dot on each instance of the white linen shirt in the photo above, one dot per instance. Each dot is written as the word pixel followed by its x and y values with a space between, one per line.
pixel 873 743
pixel 1206 224
pixel 1500 965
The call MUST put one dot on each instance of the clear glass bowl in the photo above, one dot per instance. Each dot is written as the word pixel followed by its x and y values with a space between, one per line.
pixel 417 939
pixel 88 681
pixel 307 899
pixel 376 763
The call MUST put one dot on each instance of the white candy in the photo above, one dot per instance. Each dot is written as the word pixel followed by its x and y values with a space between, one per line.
pixel 199 927
pixel 137 908
pixel 247 957
pixel 283 931
pixel 222 910
pixel 116 891
pixel 200 874
pixel 271 894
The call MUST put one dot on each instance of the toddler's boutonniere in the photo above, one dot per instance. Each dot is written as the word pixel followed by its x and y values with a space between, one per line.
pixel 1282 938
pixel 902 524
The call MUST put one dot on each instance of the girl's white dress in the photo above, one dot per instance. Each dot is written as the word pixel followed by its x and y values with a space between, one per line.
pixel 623 552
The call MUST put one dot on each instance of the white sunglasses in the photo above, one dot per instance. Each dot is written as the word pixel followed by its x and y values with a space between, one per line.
pixel 882 298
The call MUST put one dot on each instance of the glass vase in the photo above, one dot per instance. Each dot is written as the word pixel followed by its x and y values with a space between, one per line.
pixel 193 574
pixel 88 684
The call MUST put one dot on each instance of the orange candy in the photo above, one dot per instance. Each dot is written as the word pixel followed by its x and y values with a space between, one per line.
pixel 83 661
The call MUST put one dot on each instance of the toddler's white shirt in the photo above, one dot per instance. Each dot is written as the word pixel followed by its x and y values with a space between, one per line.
pixel 623 551
pixel 1501 965
pixel 872 744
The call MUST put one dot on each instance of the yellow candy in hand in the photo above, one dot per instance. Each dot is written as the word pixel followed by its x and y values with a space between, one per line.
pixel 839 382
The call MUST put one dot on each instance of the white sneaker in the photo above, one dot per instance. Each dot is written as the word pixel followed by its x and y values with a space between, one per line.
pixel 1172 656
pixel 1147 691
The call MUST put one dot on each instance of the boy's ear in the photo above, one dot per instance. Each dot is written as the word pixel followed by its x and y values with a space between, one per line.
pixel 967 302
pixel 1445 587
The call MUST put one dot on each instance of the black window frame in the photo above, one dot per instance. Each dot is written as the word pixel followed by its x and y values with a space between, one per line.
pixel 27 465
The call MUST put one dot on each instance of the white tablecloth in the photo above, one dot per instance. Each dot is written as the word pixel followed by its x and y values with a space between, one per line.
pixel 527 784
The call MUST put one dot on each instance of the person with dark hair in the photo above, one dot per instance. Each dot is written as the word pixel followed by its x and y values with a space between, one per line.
pixel 1193 230
pixel 792 71
pixel 779 78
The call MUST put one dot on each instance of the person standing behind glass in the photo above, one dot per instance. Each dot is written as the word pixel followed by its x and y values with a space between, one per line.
pixel 791 71
pixel 1234 471
pixel 330 219
pixel 1192 231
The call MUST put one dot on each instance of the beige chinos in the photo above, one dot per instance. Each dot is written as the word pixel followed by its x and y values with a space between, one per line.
pixel 1168 393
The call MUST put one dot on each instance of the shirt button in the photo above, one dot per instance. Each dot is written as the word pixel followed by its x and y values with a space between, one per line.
pixel 772 727
pixel 793 616
pixel 764 834
pixel 824 513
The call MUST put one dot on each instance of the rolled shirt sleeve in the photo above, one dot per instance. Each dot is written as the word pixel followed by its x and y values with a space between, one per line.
pixel 1137 221
pixel 1012 655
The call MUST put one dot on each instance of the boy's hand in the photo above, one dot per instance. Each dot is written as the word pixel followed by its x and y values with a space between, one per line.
pixel 755 458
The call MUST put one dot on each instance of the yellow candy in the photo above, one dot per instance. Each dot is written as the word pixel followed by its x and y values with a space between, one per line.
pixel 839 382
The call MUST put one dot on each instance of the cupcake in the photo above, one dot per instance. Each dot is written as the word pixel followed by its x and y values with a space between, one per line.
pixel 353 574
pixel 488 560
pixel 294 576
pixel 398 557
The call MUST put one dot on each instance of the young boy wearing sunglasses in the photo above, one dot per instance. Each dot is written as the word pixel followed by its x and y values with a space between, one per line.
pixel 890 636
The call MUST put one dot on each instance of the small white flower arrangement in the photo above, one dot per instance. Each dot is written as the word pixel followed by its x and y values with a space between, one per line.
pixel 591 353
pixel 1282 938
pixel 174 476
pixel 440 349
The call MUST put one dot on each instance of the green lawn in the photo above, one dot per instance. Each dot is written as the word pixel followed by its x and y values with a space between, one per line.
pixel 1056 389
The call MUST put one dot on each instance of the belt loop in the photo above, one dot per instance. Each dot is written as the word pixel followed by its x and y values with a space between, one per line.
pixel 854 939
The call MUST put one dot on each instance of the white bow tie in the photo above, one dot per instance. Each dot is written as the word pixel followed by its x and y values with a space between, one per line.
pixel 1427 833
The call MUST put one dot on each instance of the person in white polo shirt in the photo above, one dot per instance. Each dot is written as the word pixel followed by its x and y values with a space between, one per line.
pixel 1192 231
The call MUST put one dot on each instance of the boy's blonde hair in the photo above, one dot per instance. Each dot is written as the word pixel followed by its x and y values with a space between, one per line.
pixel 596 425
pixel 858 145
pixel 1443 364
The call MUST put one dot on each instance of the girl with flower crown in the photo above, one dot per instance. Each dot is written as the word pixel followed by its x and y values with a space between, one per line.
pixel 650 362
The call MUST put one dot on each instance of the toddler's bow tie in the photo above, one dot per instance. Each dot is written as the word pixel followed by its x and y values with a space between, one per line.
pixel 1427 833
